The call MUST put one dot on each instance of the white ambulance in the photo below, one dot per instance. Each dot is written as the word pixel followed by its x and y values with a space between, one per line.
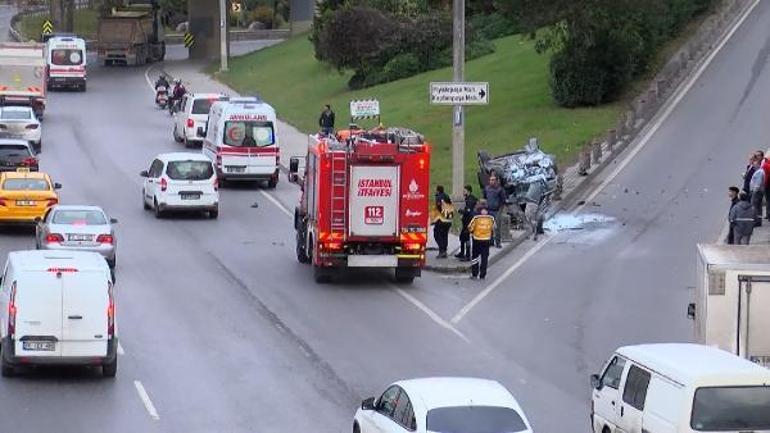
pixel 66 58
pixel 241 139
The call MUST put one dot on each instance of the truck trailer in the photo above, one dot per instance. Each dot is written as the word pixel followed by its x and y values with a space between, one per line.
pixel 131 35
pixel 364 202
pixel 23 75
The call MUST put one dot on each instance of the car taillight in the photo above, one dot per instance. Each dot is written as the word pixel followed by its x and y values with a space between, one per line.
pixel 53 238
pixel 29 161
pixel 12 311
pixel 110 313
pixel 163 184
pixel 32 126
pixel 190 123
pixel 52 202
pixel 2 201
pixel 216 184
pixel 104 239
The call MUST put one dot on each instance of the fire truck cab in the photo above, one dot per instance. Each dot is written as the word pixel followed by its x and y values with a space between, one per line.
pixel 364 202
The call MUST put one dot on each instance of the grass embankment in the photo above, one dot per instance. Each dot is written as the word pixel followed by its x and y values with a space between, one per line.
pixel 288 76
pixel 31 26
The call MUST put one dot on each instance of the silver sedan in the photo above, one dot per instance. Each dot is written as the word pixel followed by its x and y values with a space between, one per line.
pixel 82 228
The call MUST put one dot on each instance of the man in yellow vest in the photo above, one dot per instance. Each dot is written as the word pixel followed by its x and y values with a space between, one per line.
pixel 442 221
pixel 481 228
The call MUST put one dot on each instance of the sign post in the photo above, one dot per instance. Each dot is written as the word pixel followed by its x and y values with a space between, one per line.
pixel 458 124
pixel 364 109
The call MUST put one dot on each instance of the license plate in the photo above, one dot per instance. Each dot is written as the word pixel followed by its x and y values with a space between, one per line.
pixel 232 169
pixel 44 346
pixel 190 196
pixel 25 202
pixel 79 238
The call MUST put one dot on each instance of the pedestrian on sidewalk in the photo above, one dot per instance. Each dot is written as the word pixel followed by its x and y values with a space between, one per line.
pixel 750 169
pixel 467 212
pixel 732 193
pixel 757 187
pixel 481 228
pixel 496 198
pixel 742 217
pixel 766 169
pixel 443 221
pixel 326 121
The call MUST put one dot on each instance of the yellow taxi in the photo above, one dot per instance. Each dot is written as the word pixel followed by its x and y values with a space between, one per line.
pixel 26 195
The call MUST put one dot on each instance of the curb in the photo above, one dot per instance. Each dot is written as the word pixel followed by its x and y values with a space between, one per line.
pixel 465 266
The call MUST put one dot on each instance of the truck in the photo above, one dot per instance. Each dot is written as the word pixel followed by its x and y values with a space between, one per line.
pixel 131 35
pixel 732 300
pixel 364 202
pixel 23 75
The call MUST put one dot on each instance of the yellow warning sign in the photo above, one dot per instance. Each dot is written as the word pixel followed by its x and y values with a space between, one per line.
pixel 189 40
pixel 47 27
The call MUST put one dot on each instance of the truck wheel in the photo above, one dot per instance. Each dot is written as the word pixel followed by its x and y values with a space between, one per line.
pixel 321 275
pixel 272 183
pixel 404 275
pixel 302 255
pixel 110 369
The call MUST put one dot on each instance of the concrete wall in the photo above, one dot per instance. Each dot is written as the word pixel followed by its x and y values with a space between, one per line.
pixel 302 12
pixel 205 26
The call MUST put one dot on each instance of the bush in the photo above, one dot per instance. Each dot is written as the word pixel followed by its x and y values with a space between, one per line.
pixel 401 66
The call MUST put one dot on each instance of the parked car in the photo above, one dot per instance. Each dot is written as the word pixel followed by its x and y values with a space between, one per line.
pixel 78 228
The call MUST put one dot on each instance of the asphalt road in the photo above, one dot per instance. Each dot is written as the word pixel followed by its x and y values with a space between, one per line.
pixel 226 332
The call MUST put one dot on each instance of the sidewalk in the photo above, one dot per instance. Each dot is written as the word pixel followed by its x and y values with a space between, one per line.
pixel 453 265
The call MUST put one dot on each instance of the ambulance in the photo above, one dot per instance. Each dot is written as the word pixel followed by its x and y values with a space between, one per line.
pixel 66 59
pixel 241 140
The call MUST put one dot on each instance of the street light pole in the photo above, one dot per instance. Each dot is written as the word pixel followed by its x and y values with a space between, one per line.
pixel 458 122
pixel 223 35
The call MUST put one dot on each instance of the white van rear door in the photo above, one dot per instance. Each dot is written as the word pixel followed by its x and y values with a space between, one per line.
pixel 85 302
pixel 38 303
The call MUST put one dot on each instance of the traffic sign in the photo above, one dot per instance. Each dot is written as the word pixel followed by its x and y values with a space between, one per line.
pixel 189 40
pixel 236 6
pixel 448 93
pixel 364 109
pixel 47 27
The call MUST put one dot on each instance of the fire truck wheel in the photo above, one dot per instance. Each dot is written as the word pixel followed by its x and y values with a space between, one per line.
pixel 302 255
pixel 404 276
pixel 321 275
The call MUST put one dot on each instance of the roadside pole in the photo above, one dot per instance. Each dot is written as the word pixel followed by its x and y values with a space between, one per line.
pixel 458 122
pixel 223 35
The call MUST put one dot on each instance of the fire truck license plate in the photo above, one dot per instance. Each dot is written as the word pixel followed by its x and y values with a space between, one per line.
pixel 374 215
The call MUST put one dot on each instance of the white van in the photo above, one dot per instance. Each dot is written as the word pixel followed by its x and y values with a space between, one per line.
pixel 677 388
pixel 241 140
pixel 66 59
pixel 57 307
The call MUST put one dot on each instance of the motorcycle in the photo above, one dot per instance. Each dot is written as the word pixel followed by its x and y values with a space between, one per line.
pixel 161 97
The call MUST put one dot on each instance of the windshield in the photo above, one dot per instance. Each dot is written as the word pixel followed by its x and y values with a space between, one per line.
pixel 190 170
pixel 11 150
pixel 731 408
pixel 474 419
pixel 79 217
pixel 16 115
pixel 202 106
pixel 66 57
pixel 26 185
pixel 249 134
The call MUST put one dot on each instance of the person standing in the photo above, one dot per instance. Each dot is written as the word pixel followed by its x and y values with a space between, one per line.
pixel 481 228
pixel 757 188
pixel 467 212
pixel 766 169
pixel 496 198
pixel 750 169
pixel 443 221
pixel 732 193
pixel 743 216
pixel 326 121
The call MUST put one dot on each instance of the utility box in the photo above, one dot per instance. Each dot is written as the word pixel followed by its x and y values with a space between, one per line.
pixel 732 300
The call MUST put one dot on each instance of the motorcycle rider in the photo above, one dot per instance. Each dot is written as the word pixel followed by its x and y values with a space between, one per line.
pixel 161 87
pixel 178 93
pixel 162 81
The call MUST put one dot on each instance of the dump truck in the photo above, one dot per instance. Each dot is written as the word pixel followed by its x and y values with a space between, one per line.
pixel 365 202
pixel 131 35
pixel 23 75
pixel 731 309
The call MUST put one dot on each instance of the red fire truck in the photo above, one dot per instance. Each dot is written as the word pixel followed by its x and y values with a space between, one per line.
pixel 364 202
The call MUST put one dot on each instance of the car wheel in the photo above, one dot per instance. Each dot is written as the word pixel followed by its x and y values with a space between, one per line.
pixel 83 87
pixel 6 369
pixel 176 135
pixel 214 214
pixel 144 201
pixel 111 368
pixel 112 263
pixel 356 428
pixel 272 183
pixel 156 208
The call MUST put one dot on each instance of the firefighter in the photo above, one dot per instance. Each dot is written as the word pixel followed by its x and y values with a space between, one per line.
pixel 481 228
pixel 443 221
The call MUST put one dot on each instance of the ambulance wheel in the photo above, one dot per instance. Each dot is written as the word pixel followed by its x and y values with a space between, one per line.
pixel 321 275
pixel 6 369
pixel 110 369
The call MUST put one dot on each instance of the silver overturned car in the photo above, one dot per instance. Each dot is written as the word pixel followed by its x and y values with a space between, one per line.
pixel 80 228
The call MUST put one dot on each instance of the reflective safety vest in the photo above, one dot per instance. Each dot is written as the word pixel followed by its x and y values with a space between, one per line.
pixel 482 227
pixel 446 214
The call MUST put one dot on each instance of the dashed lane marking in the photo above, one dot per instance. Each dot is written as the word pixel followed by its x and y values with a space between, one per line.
pixel 146 400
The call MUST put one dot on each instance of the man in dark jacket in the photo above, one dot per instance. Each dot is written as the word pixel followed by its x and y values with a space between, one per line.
pixel 496 199
pixel 467 213
pixel 443 221
pixel 742 217
pixel 326 121
pixel 732 193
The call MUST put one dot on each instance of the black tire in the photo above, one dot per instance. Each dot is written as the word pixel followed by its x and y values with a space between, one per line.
pixel 156 209
pixel 302 254
pixel 83 87
pixel 113 263
pixel 214 214
pixel 484 157
pixel 272 183
pixel 187 143
pixel 144 202
pixel 176 135
pixel 356 428
pixel 111 368
pixel 404 276
pixel 6 369
pixel 321 275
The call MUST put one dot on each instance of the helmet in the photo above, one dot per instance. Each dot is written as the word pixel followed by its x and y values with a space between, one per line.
pixel 177 81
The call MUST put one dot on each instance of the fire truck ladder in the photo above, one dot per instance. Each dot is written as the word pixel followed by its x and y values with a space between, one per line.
pixel 339 203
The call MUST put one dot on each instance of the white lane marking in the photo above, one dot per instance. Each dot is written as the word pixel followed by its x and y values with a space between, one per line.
pixel 667 112
pixel 149 81
pixel 645 139
pixel 120 349
pixel 277 203
pixel 430 313
pixel 146 400
pixel 484 293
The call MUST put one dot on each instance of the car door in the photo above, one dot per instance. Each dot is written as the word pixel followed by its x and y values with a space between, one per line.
pixel 85 298
pixel 635 386
pixel 150 182
pixel 606 398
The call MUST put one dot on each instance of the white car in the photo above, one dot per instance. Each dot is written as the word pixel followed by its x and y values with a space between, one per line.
pixel 442 405
pixel 181 181
pixel 21 123
pixel 193 114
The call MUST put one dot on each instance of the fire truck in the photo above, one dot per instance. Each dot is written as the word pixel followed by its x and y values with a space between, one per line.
pixel 364 202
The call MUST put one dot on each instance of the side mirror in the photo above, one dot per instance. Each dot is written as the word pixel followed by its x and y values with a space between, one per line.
pixel 368 404
pixel 144 173
pixel 113 220
pixel 38 220
pixel 201 132
pixel 691 311
pixel 294 169
pixel 56 185
pixel 596 381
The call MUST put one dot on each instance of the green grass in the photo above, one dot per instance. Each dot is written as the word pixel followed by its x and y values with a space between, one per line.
pixel 31 26
pixel 288 76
